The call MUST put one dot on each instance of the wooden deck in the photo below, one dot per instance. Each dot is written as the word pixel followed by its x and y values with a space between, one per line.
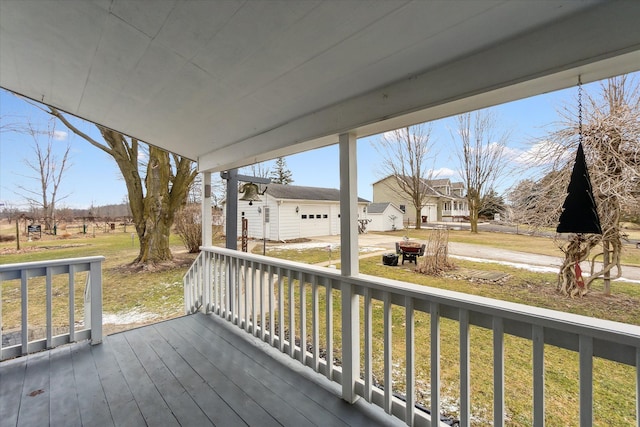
pixel 194 370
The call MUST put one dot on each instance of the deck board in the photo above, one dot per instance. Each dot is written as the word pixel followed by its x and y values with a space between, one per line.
pixel 194 370
pixel 11 382
pixel 63 412
pixel 34 405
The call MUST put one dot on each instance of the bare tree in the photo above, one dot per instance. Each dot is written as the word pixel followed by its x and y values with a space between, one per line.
pixel 611 140
pixel 481 157
pixel 405 155
pixel 48 170
pixel 155 198
pixel 260 170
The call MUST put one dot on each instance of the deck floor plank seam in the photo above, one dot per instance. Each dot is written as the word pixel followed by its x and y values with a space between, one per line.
pixel 12 374
pixel 122 404
pixel 241 370
pixel 185 409
pixel 212 405
pixel 152 405
pixel 92 400
pixel 236 397
pixel 34 401
pixel 64 408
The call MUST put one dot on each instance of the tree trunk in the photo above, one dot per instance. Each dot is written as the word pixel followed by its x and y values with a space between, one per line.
pixel 606 260
pixel 474 207
pixel 418 218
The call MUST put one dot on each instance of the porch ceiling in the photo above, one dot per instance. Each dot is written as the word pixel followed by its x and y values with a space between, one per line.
pixel 234 82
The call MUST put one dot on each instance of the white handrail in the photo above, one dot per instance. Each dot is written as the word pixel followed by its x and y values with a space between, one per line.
pixel 48 269
pixel 244 288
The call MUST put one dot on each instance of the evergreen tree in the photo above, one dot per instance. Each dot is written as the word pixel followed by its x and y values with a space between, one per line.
pixel 281 174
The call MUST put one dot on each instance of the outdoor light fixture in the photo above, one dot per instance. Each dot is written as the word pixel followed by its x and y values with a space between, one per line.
pixel 297 209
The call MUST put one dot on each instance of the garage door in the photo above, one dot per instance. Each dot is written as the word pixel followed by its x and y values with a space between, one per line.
pixel 315 221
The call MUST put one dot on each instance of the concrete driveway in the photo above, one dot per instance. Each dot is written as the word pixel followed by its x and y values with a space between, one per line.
pixel 535 262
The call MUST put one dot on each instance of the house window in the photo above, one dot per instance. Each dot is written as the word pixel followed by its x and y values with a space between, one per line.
pixel 266 214
pixel 403 208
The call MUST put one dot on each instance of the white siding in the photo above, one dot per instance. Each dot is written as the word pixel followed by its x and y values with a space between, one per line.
pixel 288 221
pixel 382 222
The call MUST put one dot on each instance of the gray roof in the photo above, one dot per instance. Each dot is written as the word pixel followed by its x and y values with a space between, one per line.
pixel 297 192
pixel 376 208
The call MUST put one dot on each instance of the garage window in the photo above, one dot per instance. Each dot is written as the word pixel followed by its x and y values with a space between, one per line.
pixel 304 217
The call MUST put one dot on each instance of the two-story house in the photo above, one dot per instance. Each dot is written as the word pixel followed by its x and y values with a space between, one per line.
pixel 445 201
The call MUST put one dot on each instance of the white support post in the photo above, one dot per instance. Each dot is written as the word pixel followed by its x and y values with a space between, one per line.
pixel 207 236
pixel 348 206
pixel 349 266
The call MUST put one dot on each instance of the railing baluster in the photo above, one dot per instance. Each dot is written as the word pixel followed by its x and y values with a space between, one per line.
pixel 215 283
pixel 465 385
pixel 244 283
pixel 72 304
pixel 281 305
pixel 25 314
pixel 498 372
pixel 410 360
pixel 537 336
pixel 329 326
pixel 206 283
pixel 316 323
pixel 388 362
pixel 434 309
pixel 49 303
pixel 368 344
pixel 586 380
pixel 262 303
pixel 292 316
pixel 226 285
pixel 253 300
pixel 303 320
pixel 272 306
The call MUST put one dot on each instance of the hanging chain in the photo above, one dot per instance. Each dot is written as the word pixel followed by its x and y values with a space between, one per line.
pixel 580 109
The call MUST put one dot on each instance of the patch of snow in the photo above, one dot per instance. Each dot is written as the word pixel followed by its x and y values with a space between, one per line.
pixel 127 317
pixel 530 267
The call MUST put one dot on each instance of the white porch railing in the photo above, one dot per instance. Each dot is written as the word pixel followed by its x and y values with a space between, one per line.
pixel 92 327
pixel 266 297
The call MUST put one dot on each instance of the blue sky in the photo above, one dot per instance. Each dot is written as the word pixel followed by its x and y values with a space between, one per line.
pixel 93 177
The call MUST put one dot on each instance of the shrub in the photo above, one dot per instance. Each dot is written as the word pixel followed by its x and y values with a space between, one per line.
pixel 188 225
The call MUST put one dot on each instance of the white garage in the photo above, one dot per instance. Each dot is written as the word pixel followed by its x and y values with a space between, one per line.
pixel 289 212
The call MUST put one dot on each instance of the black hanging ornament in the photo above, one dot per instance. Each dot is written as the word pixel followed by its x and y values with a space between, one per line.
pixel 579 213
